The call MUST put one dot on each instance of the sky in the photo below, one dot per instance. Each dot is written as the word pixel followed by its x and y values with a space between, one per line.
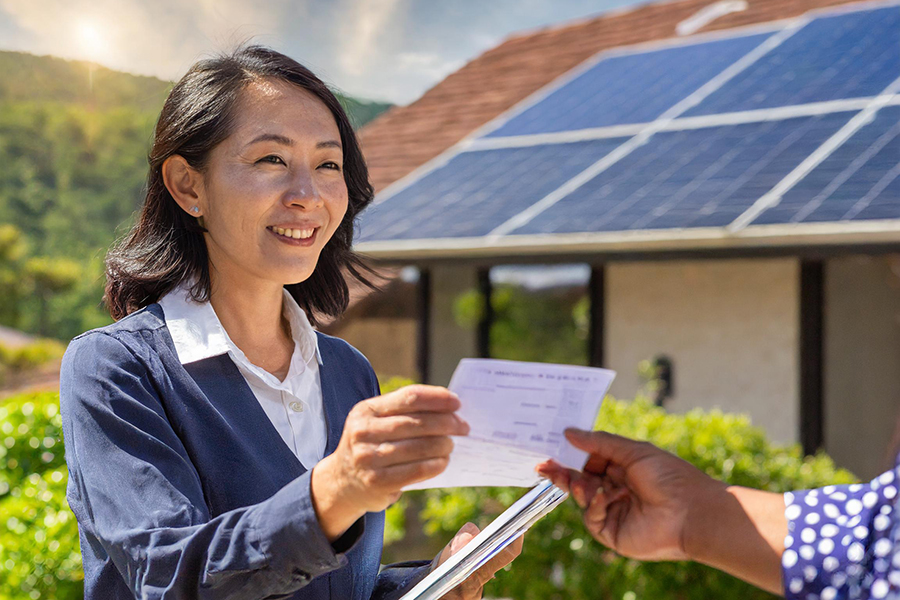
pixel 389 50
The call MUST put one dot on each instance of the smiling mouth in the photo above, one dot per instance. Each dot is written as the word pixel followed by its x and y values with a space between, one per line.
pixel 296 234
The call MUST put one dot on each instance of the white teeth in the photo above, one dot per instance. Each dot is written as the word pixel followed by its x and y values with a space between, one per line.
pixel 297 234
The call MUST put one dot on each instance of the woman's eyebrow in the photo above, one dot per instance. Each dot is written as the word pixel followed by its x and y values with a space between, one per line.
pixel 271 137
pixel 286 141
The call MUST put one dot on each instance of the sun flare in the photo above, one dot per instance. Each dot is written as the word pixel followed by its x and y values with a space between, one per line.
pixel 91 39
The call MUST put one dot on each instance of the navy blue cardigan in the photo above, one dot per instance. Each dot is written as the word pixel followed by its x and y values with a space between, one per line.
pixel 184 489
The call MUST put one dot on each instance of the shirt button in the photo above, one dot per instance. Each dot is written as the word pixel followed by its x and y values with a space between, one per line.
pixel 296 406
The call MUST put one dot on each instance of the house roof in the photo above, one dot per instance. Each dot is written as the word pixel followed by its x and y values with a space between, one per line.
pixel 406 137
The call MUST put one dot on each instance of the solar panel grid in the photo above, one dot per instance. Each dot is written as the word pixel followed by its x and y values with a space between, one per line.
pixel 476 191
pixel 631 88
pixel 857 182
pixel 693 178
pixel 843 56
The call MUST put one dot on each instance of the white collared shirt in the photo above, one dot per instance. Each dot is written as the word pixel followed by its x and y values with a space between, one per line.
pixel 294 406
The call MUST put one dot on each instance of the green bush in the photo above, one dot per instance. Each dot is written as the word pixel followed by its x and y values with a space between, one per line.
pixel 560 560
pixel 39 550
pixel 32 355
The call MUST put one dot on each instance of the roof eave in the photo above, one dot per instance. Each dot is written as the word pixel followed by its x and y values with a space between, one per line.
pixel 865 233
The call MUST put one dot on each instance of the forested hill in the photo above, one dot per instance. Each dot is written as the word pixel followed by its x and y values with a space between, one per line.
pixel 27 78
pixel 74 139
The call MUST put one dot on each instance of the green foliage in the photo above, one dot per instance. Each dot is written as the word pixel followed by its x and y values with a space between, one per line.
pixel 39 550
pixel 29 78
pixel 30 356
pixel 537 326
pixel 361 112
pixel 560 559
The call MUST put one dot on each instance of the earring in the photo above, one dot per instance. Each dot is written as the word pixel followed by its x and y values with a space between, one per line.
pixel 195 209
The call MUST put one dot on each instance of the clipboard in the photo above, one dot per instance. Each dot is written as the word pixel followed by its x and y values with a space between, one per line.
pixel 505 529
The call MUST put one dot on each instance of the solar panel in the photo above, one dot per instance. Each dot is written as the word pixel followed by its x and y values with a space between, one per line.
pixel 703 172
pixel 859 181
pixel 633 88
pixel 850 55
pixel 477 191
pixel 693 178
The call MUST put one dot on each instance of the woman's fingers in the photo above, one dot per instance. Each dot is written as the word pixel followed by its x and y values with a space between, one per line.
pixel 423 424
pixel 396 477
pixel 404 451
pixel 414 399
pixel 471 588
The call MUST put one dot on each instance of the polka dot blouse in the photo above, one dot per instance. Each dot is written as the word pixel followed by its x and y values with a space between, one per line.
pixel 843 541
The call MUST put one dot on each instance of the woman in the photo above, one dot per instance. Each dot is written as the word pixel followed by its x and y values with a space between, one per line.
pixel 218 446
pixel 644 503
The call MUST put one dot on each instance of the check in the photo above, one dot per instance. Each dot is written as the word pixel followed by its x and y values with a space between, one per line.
pixel 517 412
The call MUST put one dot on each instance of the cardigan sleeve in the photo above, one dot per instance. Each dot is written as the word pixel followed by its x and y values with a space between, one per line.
pixel 137 495
pixel 395 579
pixel 843 541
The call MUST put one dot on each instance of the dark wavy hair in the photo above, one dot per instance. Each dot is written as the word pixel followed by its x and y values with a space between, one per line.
pixel 166 246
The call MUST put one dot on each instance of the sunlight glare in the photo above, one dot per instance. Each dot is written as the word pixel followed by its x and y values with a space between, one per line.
pixel 91 40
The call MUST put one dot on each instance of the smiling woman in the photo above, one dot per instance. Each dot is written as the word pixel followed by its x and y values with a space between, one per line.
pixel 218 446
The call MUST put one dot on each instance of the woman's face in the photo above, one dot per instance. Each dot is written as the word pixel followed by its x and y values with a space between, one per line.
pixel 274 190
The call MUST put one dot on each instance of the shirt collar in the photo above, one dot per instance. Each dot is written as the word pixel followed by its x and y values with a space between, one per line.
pixel 198 334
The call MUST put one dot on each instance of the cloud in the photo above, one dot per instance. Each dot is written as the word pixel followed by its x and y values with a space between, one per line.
pixel 161 38
pixel 368 25
pixel 429 65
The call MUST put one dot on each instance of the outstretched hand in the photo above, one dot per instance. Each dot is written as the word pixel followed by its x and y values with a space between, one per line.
pixel 637 499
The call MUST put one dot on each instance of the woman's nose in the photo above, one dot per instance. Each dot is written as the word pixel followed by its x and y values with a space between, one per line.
pixel 302 191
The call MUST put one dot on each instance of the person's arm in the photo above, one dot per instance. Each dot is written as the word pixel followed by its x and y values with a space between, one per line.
pixel 647 504
pixel 833 542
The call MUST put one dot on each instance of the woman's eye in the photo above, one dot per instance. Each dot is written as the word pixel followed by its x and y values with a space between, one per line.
pixel 332 165
pixel 273 159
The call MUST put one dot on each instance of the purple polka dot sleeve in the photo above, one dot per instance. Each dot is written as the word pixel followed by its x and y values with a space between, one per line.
pixel 841 541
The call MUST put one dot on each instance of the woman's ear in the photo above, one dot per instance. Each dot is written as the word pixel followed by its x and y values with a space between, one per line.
pixel 185 184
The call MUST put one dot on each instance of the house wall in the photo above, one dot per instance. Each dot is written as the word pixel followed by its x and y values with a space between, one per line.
pixel 862 360
pixel 448 341
pixel 730 328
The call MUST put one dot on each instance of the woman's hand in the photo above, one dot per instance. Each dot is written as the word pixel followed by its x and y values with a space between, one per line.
pixel 388 442
pixel 471 588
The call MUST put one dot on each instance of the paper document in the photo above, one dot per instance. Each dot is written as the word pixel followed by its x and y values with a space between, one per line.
pixel 504 530
pixel 517 412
